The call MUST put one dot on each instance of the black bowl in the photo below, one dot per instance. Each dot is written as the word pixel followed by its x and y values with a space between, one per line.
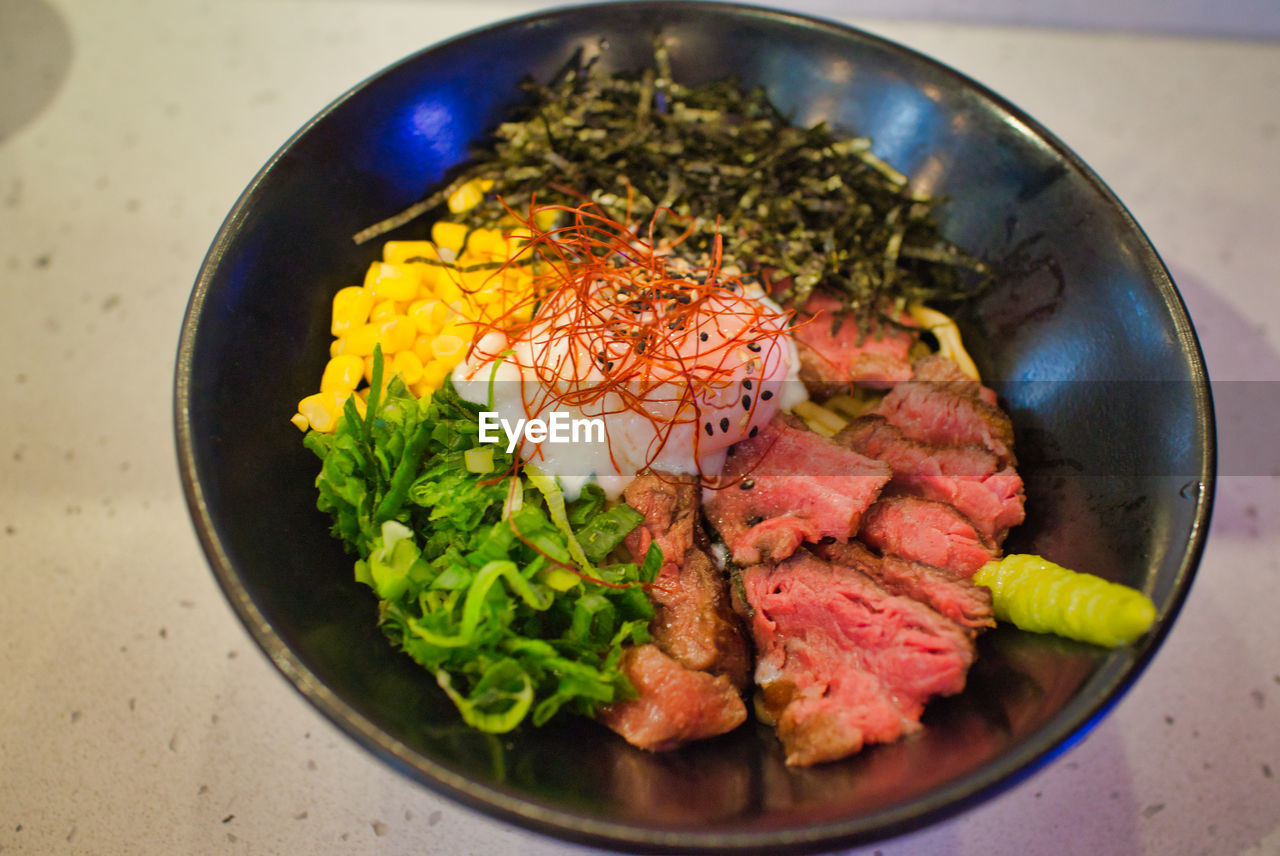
pixel 1084 336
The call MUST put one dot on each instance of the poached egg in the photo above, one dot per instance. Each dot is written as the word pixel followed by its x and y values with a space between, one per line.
pixel 677 366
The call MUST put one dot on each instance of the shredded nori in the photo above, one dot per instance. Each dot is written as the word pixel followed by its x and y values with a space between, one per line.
pixel 809 207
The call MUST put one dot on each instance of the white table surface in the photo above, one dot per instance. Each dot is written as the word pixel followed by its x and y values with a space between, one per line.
pixel 137 716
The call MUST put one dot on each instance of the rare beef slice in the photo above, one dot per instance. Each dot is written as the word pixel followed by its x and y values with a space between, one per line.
pixel 788 485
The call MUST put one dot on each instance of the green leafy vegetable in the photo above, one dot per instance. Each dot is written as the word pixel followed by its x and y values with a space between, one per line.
pixel 606 530
pixel 515 616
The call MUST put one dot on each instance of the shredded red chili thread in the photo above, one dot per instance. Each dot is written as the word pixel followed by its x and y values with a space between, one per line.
pixel 617 324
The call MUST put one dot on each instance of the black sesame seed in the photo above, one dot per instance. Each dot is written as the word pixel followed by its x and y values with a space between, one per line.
pixel 746 384
pixel 746 402
pixel 724 424
pixel 754 347
pixel 754 430
pixel 710 431
pixel 746 484
pixel 766 395
pixel 703 336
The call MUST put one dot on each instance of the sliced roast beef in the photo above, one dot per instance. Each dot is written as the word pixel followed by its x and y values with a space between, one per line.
pixel 674 704
pixel 948 413
pixel 875 436
pixel 925 530
pixel 842 661
pixel 938 369
pixel 695 623
pixel 788 485
pixel 693 620
pixel 837 351
pixel 669 504
pixel 955 597
pixel 964 475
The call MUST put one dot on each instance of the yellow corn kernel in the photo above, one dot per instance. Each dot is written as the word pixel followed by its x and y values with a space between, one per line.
pixel 447 347
pixel 517 239
pixel 463 309
pixel 335 347
pixel 475 281
pixel 422 389
pixel 465 329
pixel 408 365
pixel 422 347
pixel 448 236
pixel 400 252
pixel 416 308
pixel 469 195
pixel 351 306
pixel 393 282
pixel 383 311
pixel 477 307
pixel 396 334
pixel 433 374
pixel 448 286
pixel 322 409
pixel 361 340
pixel 545 218
pixel 371 275
pixel 495 296
pixel 516 282
pixel 487 245
pixel 342 374
pixel 429 315
pixel 458 325
pixel 300 421
pixel 428 276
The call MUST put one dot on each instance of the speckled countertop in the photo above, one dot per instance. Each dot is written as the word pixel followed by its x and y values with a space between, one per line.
pixel 137 716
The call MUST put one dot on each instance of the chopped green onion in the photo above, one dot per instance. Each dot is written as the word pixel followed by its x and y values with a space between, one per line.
pixel 478 461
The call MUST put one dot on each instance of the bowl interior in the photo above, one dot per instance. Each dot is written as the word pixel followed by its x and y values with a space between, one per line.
pixel 1084 337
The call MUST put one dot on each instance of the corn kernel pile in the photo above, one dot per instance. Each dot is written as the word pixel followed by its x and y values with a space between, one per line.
pixel 420 303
